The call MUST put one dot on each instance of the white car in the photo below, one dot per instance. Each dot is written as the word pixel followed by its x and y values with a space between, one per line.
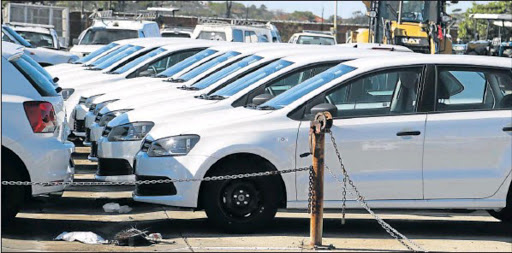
pixel 116 148
pixel 103 32
pixel 422 132
pixel 34 133
pixel 313 38
pixel 43 56
pixel 38 35
pixel 236 31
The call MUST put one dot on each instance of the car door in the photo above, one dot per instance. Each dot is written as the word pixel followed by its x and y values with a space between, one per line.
pixel 468 137
pixel 378 132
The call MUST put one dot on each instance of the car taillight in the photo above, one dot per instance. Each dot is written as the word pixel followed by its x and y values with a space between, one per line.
pixel 41 116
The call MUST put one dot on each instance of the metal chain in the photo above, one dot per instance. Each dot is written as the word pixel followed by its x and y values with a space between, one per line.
pixel 311 192
pixel 390 230
pixel 160 181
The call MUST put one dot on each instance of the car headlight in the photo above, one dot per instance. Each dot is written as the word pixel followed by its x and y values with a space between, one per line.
pixel 107 117
pixel 66 93
pixel 89 100
pixel 173 146
pixel 99 106
pixel 130 132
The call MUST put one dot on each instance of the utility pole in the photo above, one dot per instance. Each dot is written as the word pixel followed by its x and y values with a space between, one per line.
pixel 322 25
pixel 335 32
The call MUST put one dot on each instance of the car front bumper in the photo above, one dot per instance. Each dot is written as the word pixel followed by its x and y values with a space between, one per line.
pixel 116 158
pixel 78 121
pixel 181 194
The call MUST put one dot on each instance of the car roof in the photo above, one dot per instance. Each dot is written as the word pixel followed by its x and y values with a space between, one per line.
pixel 375 46
pixel 121 24
pixel 298 49
pixel 331 53
pixel 195 44
pixel 10 49
pixel 432 59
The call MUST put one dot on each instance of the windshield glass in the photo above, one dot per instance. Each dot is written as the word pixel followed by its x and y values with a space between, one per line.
pixel 419 11
pixel 39 81
pixel 105 36
pixel 207 65
pixel 140 59
pixel 93 54
pixel 315 40
pixel 255 76
pixel 207 35
pixel 187 62
pixel 109 55
pixel 38 39
pixel 118 57
pixel 307 86
pixel 16 36
pixel 226 71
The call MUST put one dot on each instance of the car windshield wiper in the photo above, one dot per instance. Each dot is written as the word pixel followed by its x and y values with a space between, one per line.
pixel 266 107
pixel 94 68
pixel 179 80
pixel 161 76
pixel 216 97
pixel 251 106
pixel 184 87
pixel 202 96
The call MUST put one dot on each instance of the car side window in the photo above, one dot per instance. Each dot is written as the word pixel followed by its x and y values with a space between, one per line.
pixel 465 89
pixel 156 67
pixel 238 35
pixel 387 92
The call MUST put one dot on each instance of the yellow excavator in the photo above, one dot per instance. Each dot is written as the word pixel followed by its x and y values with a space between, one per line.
pixel 422 26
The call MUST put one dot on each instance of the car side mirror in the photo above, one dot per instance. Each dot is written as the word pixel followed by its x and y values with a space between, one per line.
pixel 262 98
pixel 323 108
pixel 75 41
pixel 58 89
pixel 55 79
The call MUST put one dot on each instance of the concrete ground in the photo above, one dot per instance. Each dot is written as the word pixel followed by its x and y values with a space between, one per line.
pixel 80 209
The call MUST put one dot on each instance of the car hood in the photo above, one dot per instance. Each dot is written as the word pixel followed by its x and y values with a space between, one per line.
pixel 85 78
pixel 185 123
pixel 134 88
pixel 50 52
pixel 160 112
pixel 151 99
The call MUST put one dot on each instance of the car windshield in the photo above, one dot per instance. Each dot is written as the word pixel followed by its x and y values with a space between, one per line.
pixel 38 39
pixel 16 36
pixel 307 86
pixel 104 36
pixel 109 55
pixel 186 63
pixel 226 71
pixel 140 59
pixel 96 53
pixel 39 81
pixel 255 76
pixel 175 35
pixel 208 65
pixel 210 35
pixel 315 40
pixel 118 57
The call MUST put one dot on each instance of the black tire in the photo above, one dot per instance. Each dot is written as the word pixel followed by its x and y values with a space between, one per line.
pixel 505 214
pixel 13 197
pixel 252 202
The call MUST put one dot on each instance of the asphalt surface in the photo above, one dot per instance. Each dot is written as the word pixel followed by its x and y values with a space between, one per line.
pixel 80 209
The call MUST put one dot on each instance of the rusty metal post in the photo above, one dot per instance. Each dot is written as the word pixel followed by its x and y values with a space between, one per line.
pixel 319 125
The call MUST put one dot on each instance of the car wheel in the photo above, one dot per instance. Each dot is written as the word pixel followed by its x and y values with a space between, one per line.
pixel 241 205
pixel 12 196
pixel 504 214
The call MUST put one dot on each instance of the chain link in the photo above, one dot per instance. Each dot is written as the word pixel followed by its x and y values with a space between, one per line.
pixel 160 181
pixel 311 192
pixel 390 230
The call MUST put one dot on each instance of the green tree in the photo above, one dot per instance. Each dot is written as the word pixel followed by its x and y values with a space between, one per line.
pixel 467 25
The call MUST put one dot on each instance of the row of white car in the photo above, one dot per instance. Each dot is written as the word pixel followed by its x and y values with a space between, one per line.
pixel 416 131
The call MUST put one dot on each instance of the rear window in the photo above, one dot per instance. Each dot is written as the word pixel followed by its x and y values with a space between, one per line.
pixel 38 67
pixel 315 40
pixel 176 35
pixel 205 35
pixel 39 81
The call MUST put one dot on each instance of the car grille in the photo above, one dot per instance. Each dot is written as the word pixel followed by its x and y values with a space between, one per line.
pixel 106 131
pixel 114 167
pixel 94 149
pixel 80 125
pixel 145 145
pixel 164 189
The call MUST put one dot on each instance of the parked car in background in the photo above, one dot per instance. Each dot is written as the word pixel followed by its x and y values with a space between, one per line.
pixel 38 35
pixel 176 32
pixel 436 125
pixel 34 132
pixel 43 56
pixel 313 38
pixel 106 29
pixel 236 31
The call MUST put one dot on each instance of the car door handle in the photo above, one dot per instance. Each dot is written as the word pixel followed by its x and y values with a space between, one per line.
pixel 507 129
pixel 407 133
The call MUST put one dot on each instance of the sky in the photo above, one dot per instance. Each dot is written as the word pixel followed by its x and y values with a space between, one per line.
pixel 345 8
